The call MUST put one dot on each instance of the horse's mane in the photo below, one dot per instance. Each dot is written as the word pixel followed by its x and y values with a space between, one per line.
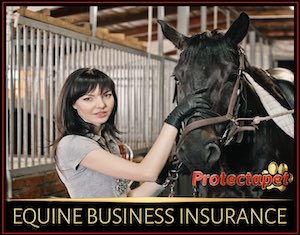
pixel 265 81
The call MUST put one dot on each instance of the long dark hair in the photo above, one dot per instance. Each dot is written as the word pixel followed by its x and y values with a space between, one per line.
pixel 79 83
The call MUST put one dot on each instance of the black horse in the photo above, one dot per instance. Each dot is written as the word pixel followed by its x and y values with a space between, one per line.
pixel 227 152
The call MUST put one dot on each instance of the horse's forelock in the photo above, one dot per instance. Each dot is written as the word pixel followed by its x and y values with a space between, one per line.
pixel 207 47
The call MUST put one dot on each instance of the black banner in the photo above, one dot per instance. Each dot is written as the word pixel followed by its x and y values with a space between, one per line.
pixel 175 215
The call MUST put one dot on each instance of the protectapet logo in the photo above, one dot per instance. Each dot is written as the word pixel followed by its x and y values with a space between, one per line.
pixel 274 177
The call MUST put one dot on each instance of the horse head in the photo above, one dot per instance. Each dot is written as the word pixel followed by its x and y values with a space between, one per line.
pixel 209 60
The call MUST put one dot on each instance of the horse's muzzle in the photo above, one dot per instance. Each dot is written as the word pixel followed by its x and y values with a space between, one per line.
pixel 196 153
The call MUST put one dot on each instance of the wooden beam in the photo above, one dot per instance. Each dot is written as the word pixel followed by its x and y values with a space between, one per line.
pixel 277 34
pixel 73 10
pixel 44 17
pixel 134 15
pixel 265 10
pixel 275 25
pixel 195 23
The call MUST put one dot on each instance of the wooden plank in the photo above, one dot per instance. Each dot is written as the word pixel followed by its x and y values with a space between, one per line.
pixel 43 17
pixel 102 33
pixel 119 38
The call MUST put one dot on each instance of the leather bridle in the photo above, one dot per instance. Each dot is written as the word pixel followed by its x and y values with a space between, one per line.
pixel 229 116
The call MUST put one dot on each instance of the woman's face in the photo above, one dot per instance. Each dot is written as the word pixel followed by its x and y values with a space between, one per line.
pixel 95 107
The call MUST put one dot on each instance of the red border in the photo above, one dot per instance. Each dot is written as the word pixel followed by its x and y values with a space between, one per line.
pixel 41 3
pixel 297 105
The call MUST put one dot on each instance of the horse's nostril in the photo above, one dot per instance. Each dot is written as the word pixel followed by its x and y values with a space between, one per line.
pixel 213 153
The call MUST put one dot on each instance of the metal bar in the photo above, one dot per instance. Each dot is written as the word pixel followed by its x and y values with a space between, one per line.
pixel 261 53
pixel 158 90
pixel 26 92
pixel 32 98
pixel 52 94
pixel 183 13
pixel 77 54
pixel 38 94
pixel 252 42
pixel 130 101
pixel 56 70
pixel 150 111
pixel 18 97
pixel 93 19
pixel 98 57
pixel 93 53
pixel 215 17
pixel 62 61
pixel 228 23
pixel 118 92
pixel 8 111
pixel 124 112
pixel 45 136
pixel 136 100
pixel 141 102
pixel 203 19
pixel 161 15
pixel 152 114
pixel 73 53
pixel 161 87
pixel 271 57
pixel 88 55
pixel 68 59
pixel 150 14
pixel 82 57
pixel 146 77
pixel 102 54
pixel 160 37
pixel 146 102
pixel 121 100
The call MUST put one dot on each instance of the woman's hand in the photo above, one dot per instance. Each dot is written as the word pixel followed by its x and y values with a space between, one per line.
pixel 193 102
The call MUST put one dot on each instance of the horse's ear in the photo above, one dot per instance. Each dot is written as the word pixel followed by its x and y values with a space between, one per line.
pixel 178 39
pixel 238 30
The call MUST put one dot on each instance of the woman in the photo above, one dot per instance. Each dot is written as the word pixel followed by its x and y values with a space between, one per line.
pixel 87 153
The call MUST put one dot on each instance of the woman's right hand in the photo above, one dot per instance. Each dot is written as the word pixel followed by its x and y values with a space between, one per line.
pixel 191 103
